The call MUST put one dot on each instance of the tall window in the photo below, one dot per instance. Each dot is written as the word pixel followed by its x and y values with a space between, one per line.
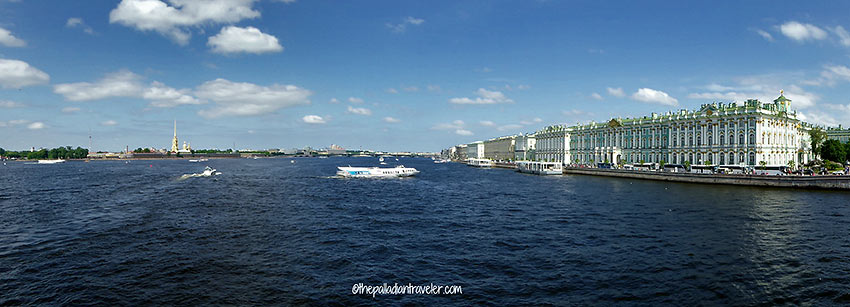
pixel 732 138
pixel 752 139
pixel 699 158
pixel 709 140
pixel 741 158
pixel 741 139
pixel 699 140
pixel 731 158
pixel 683 141
pixel 722 140
pixel 691 140
pixel 722 159
pixel 752 158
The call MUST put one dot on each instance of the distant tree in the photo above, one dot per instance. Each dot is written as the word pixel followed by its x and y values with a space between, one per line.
pixel 2 151
pixel 818 137
pixel 687 164
pixel 763 165
pixel 833 150
pixel 791 164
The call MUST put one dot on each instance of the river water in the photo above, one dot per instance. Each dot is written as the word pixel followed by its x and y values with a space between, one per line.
pixel 272 232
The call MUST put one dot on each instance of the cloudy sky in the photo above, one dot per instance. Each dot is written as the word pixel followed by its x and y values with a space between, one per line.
pixel 397 75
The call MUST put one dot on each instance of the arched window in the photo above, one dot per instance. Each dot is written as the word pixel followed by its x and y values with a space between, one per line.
pixel 699 140
pixel 752 158
pixel 731 158
pixel 722 159
pixel 674 142
pixel 683 141
pixel 722 140
pixel 699 158
pixel 691 158
pixel 741 158
pixel 741 139
pixel 710 140
pixel 731 139
pixel 691 141
pixel 752 139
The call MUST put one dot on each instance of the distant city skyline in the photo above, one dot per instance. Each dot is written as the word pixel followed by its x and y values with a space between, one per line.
pixel 397 76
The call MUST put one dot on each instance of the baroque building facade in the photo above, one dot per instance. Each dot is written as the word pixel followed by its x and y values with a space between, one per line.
pixel 726 134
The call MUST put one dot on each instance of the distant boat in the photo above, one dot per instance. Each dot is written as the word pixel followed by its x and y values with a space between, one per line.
pixel 540 168
pixel 51 161
pixel 381 159
pixel 198 160
pixel 441 161
pixel 376 172
pixel 292 161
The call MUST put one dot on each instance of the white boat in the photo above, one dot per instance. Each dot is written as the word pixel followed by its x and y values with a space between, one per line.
pixel 540 168
pixel 479 162
pixel 381 159
pixel 441 161
pixel 376 172
pixel 51 161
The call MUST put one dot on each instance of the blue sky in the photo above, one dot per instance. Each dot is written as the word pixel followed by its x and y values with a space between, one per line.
pixel 397 75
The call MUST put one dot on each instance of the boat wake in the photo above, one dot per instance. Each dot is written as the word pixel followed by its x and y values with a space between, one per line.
pixel 208 172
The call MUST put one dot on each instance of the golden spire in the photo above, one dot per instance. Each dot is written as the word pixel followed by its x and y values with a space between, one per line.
pixel 781 92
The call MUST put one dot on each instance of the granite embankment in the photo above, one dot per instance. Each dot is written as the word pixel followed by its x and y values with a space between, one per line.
pixel 805 182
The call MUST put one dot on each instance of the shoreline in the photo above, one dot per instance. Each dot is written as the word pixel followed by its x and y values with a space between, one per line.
pixel 837 182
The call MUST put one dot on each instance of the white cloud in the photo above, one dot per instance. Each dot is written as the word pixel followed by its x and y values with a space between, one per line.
pixel 10 104
pixel 616 92
pixel 173 19
pixel 537 120
pixel 17 74
pixel 109 123
pixel 75 22
pixel 36 126
pixel 355 100
pixel 434 88
pixel 313 119
pixel 843 36
pixel 455 125
pixel 163 96
pixel 359 111
pixel 509 127
pixel 463 132
pixel 248 99
pixel 654 96
pixel 401 27
pixel 802 31
pixel 764 34
pixel 392 91
pixel 484 97
pixel 764 88
pixel 391 120
pixel 118 84
pixel 9 40
pixel 70 109
pixel 125 83
pixel 596 96
pixel 234 39
pixel 411 89
pixel 487 123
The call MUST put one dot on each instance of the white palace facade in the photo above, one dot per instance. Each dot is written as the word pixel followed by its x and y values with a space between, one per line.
pixel 717 133
pixel 748 133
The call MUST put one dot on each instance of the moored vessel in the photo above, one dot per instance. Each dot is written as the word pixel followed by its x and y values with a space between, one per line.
pixel 479 162
pixel 540 168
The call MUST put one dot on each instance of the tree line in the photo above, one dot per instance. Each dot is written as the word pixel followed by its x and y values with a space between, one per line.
pixel 830 150
pixel 55 153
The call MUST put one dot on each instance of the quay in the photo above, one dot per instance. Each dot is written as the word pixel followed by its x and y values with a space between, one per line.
pixel 841 182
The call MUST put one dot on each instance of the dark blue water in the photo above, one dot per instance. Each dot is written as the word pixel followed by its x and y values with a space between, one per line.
pixel 271 232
